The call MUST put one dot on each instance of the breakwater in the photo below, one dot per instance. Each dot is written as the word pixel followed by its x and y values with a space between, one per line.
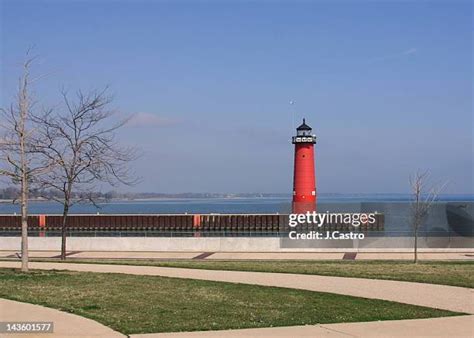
pixel 173 224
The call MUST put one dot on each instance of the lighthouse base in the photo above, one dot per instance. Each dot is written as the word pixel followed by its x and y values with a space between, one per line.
pixel 303 207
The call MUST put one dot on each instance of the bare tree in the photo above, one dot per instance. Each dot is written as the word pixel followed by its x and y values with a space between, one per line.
pixel 81 141
pixel 19 149
pixel 423 198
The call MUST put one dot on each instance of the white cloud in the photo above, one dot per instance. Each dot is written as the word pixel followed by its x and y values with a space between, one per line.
pixel 141 120
pixel 410 51
pixel 403 53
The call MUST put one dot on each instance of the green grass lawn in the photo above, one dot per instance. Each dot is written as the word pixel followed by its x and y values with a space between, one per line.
pixel 435 272
pixel 145 304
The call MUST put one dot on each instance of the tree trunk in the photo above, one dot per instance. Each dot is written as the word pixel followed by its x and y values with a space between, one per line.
pixel 24 223
pixel 24 182
pixel 416 245
pixel 416 223
pixel 63 230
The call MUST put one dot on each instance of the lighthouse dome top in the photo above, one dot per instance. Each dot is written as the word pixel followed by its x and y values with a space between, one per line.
pixel 304 126
pixel 303 134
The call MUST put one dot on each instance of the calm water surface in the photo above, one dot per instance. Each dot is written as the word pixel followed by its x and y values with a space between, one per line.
pixel 220 205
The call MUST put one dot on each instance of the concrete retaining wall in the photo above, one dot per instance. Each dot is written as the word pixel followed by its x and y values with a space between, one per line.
pixel 213 244
pixel 223 244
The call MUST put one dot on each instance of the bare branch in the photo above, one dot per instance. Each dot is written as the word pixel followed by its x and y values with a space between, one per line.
pixel 80 141
pixel 20 147
pixel 423 197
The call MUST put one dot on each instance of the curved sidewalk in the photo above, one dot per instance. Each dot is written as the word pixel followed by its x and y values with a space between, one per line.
pixel 65 324
pixel 69 325
pixel 436 327
pixel 445 297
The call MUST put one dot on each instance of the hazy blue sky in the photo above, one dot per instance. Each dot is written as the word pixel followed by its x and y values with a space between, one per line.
pixel 387 87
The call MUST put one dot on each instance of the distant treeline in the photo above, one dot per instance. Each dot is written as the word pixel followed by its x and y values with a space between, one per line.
pixel 11 193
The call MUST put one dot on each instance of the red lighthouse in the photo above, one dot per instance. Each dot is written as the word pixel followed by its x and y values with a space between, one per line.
pixel 304 179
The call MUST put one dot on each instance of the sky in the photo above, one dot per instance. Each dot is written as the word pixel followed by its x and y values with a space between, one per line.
pixel 386 86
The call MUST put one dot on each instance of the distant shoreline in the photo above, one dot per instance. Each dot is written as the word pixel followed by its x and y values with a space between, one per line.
pixel 151 199
pixel 325 196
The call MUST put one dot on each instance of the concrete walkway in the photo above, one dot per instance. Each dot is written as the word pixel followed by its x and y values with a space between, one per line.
pixel 435 296
pixel 424 254
pixel 437 327
pixel 65 324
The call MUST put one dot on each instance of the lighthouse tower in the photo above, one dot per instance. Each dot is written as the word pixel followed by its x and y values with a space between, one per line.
pixel 304 179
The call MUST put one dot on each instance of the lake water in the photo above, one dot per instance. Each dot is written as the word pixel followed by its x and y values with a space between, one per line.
pixel 220 205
